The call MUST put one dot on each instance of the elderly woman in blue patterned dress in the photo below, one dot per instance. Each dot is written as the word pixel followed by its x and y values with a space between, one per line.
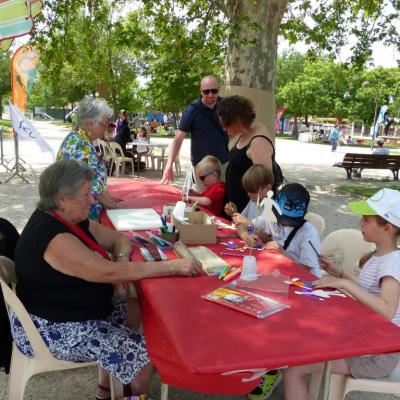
pixel 66 266
pixel 93 118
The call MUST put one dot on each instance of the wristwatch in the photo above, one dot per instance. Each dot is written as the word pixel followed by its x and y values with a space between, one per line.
pixel 123 254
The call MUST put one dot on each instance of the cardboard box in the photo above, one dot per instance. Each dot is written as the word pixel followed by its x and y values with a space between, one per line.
pixel 197 230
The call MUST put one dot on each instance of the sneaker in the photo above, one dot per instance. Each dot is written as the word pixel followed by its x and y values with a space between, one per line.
pixel 267 385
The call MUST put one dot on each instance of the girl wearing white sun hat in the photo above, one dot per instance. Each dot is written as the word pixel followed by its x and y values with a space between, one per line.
pixel 377 286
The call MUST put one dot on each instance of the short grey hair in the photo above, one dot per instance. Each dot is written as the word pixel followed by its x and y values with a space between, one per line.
pixel 94 109
pixel 63 178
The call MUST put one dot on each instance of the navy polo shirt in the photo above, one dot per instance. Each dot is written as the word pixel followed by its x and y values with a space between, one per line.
pixel 208 137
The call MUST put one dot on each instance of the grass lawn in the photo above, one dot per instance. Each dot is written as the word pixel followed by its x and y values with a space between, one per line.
pixel 5 122
pixel 366 189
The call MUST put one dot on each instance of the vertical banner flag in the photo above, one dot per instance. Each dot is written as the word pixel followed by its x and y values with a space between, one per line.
pixel 279 113
pixel 16 19
pixel 23 73
pixel 25 130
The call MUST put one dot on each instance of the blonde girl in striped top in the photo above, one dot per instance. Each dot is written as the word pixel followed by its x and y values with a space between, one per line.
pixel 378 287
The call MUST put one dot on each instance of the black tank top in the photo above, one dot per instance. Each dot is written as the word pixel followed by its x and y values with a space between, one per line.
pixel 239 163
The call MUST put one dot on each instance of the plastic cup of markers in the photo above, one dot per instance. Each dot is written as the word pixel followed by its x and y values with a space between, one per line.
pixel 249 269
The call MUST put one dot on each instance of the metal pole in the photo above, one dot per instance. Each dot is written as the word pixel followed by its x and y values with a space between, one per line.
pixel 2 151
pixel 17 165
pixel 377 93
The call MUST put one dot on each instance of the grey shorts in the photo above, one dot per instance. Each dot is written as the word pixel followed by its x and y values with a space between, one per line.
pixel 373 367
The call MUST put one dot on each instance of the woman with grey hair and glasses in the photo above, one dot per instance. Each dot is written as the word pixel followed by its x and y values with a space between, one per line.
pixel 92 122
pixel 66 266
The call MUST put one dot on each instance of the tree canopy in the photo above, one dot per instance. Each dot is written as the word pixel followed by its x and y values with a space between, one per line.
pixel 93 44
pixel 5 81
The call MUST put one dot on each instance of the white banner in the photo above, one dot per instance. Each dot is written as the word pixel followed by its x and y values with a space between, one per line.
pixel 25 130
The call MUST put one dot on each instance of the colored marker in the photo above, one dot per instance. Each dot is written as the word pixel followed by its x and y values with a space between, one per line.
pixel 223 272
pixel 233 274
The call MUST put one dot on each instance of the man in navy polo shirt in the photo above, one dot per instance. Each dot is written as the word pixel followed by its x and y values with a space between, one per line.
pixel 201 120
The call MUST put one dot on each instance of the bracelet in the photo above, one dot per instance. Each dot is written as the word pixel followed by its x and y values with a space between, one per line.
pixel 122 254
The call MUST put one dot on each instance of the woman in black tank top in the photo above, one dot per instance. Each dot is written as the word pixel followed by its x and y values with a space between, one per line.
pixel 253 145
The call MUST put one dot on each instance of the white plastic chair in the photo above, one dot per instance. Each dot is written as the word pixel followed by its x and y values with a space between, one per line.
pixel 105 150
pixel 118 159
pixel 316 220
pixel 23 367
pixel 159 161
pixel 341 385
pixel 348 242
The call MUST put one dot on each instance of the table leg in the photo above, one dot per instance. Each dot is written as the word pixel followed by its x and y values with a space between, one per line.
pixel 164 391
pixel 325 381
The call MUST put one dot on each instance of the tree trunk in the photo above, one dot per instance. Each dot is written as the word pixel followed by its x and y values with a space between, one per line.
pixel 295 128
pixel 1 107
pixel 251 59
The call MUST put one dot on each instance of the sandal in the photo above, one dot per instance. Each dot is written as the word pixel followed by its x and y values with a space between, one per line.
pixel 103 393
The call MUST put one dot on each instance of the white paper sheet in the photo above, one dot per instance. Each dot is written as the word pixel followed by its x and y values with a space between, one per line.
pixel 134 219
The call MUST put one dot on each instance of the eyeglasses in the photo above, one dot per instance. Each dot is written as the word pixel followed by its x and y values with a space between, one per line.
pixel 208 91
pixel 102 124
pixel 202 177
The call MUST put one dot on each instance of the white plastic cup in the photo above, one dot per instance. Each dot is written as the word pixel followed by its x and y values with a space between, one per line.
pixel 249 269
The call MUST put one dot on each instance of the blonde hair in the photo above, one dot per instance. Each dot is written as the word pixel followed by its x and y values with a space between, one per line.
pixel 257 177
pixel 209 162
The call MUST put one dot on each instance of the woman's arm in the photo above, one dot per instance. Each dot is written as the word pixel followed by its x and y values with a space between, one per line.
pixel 106 200
pixel 385 304
pixel 67 254
pixel 260 152
pixel 111 240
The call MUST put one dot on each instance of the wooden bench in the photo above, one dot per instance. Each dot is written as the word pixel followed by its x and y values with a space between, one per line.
pixel 355 161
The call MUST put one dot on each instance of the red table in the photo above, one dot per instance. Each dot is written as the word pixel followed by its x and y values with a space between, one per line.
pixel 192 341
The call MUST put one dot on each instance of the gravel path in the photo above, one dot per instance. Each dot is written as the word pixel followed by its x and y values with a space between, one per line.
pixel 309 164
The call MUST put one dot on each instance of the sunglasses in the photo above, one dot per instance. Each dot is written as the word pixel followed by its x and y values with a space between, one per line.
pixel 208 91
pixel 202 177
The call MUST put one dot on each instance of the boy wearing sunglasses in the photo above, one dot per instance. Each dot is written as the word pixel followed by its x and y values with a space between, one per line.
pixel 208 171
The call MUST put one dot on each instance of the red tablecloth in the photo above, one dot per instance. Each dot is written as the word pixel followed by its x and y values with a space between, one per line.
pixel 192 341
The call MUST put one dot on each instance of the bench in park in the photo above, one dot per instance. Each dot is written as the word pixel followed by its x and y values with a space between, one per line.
pixel 355 161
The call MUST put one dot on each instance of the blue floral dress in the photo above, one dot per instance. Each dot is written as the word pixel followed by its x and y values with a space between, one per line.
pixel 118 350
pixel 78 145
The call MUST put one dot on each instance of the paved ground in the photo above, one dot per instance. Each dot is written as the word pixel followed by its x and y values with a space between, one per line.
pixel 310 164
